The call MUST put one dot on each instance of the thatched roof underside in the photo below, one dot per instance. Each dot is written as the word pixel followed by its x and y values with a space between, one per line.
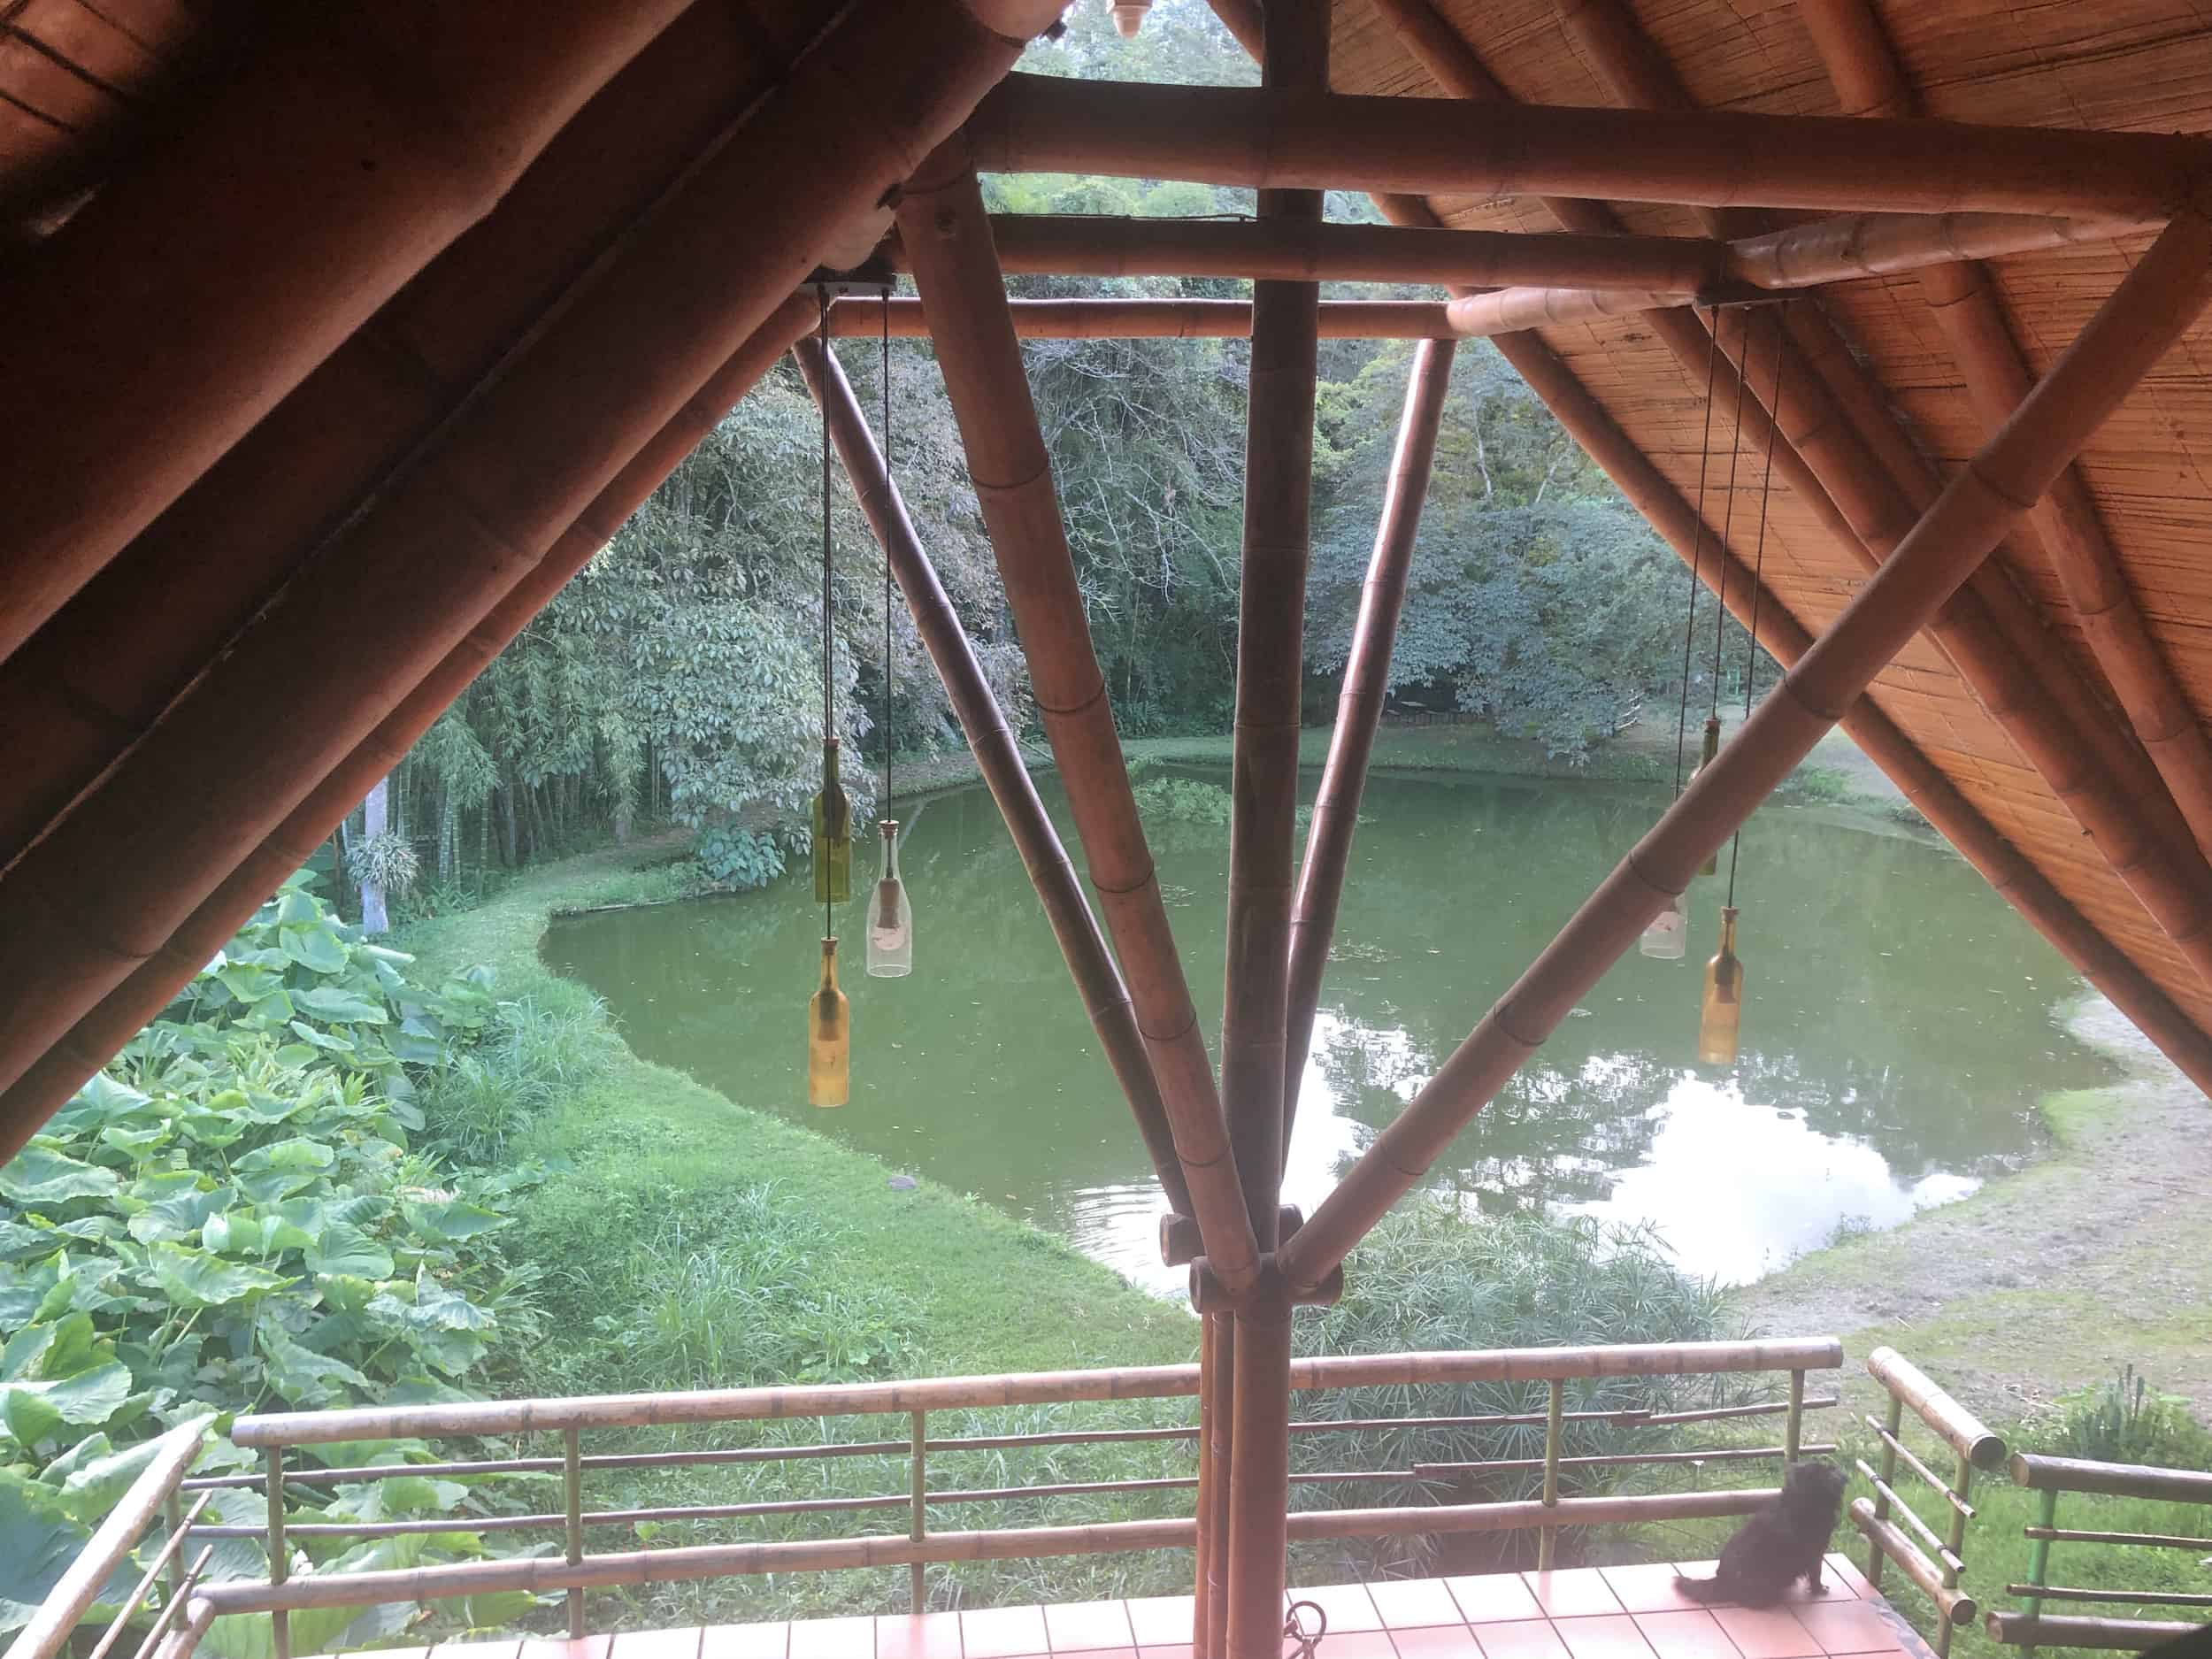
pixel 87 86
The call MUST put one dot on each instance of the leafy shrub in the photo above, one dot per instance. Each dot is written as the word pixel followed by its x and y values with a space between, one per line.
pixel 534 1054
pixel 230 1217
pixel 389 861
pixel 740 859
pixel 2123 1422
pixel 1167 799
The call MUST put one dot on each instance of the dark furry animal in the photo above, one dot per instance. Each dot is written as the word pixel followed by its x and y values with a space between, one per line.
pixel 1779 1545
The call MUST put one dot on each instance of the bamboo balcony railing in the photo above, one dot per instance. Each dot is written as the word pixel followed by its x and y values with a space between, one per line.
pixel 2048 1476
pixel 190 1610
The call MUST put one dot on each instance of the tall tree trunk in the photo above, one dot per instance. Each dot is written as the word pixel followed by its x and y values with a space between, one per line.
pixel 507 822
pixel 375 818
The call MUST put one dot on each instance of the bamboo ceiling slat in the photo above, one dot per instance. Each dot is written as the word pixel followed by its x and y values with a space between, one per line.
pixel 95 47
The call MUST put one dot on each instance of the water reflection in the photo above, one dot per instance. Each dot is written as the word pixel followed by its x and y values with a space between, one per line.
pixel 1897 1024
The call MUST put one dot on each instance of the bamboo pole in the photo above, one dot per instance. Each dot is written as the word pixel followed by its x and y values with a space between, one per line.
pixel 1952 1422
pixel 405 585
pixel 948 237
pixel 917 1510
pixel 1952 1603
pixel 64 1067
pixel 359 146
pixel 572 1520
pixel 1310 251
pixel 1154 319
pixel 1358 710
pixel 97 675
pixel 2040 1473
pixel 2157 301
pixel 2130 1635
pixel 1963 301
pixel 1256 138
pixel 1098 982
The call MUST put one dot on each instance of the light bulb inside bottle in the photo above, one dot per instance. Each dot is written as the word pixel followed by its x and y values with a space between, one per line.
pixel 890 914
pixel 1667 935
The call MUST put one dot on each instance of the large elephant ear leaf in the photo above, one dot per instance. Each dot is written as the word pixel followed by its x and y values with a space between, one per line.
pixel 40 1175
pixel 38 1540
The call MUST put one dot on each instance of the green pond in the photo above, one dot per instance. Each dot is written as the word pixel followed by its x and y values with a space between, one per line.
pixel 1900 1022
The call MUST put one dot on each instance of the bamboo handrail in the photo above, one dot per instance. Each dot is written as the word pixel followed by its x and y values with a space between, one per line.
pixel 63 1068
pixel 1953 1604
pixel 1958 1428
pixel 1153 319
pixel 2154 1541
pixel 1254 138
pixel 1359 707
pixel 1961 300
pixel 2152 306
pixel 2040 1473
pixel 1051 873
pixel 2135 1635
pixel 147 346
pixel 948 237
pixel 1906 1455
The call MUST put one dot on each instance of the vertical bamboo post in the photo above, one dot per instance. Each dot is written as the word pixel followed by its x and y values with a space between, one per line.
pixel 1213 1464
pixel 280 1558
pixel 572 1501
pixel 1259 1471
pixel 1358 710
pixel 1889 1479
pixel 1956 1536
pixel 173 1516
pixel 2040 1556
pixel 1793 1425
pixel 918 1523
pixel 1547 1537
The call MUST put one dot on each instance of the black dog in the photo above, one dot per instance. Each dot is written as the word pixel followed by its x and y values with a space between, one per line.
pixel 1779 1545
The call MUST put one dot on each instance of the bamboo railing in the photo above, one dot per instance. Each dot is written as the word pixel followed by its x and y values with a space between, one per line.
pixel 188 1608
pixel 2047 1477
pixel 1971 1445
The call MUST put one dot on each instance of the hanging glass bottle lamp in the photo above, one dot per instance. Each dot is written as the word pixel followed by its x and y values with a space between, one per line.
pixel 890 916
pixel 832 834
pixel 828 1037
pixel 1722 1015
pixel 1711 866
pixel 1667 935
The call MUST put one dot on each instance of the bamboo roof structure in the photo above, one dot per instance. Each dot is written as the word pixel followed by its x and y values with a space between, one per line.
pixel 334 340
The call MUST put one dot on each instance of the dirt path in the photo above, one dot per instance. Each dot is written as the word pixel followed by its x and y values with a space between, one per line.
pixel 2049 1279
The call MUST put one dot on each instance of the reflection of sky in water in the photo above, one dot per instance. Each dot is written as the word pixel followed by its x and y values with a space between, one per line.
pixel 1897 1029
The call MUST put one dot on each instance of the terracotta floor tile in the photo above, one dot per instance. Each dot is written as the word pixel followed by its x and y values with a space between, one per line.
pixel 1700 1569
pixel 1648 1589
pixel 1695 1635
pixel 745 1642
pixel 1161 1621
pixel 928 1636
pixel 1845 1570
pixel 1171 1650
pixel 641 1644
pixel 1851 1626
pixel 507 1649
pixel 1085 1627
pixel 1356 1644
pixel 1607 1636
pixel 1102 1653
pixel 1577 1593
pixel 853 1638
pixel 1348 1606
pixel 1765 1633
pixel 1520 1639
pixel 996 1632
pixel 1413 1603
pixel 1492 1597
pixel 1436 1641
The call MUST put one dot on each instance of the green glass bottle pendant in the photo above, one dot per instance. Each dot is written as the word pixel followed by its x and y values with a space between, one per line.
pixel 1711 866
pixel 832 834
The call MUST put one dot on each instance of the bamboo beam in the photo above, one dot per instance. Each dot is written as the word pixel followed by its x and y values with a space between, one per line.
pixel 1257 138
pixel 1309 251
pixel 1209 1607
pixel 350 150
pixel 94 678
pixel 1358 710
pixel 1785 640
pixel 1856 245
pixel 404 586
pixel 1963 299
pixel 948 236
pixel 1097 981
pixel 1153 319
pixel 1840 432
pixel 64 1067
pixel 2151 309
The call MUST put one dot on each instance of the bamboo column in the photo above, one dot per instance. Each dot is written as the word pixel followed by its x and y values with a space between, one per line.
pixel 406 583
pixel 1963 302
pixel 1359 708
pixel 948 237
pixel 2152 307
pixel 63 1068
pixel 1105 999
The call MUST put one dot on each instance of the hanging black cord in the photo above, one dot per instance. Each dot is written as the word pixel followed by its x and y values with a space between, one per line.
pixel 1697 546
pixel 885 723
pixel 1728 515
pixel 1758 568
pixel 829 712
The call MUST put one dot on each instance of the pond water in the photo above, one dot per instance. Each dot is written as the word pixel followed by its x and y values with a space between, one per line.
pixel 1899 1021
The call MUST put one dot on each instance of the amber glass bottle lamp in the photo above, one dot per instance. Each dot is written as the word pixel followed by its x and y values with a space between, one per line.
pixel 890 916
pixel 1667 935
pixel 828 1037
pixel 1722 1015
pixel 832 834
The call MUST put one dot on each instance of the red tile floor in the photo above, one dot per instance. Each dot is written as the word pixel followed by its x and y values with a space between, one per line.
pixel 1584 1613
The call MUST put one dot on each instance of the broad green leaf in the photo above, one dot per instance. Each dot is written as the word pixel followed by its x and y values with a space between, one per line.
pixel 453 1221
pixel 313 946
pixel 329 1002
pixel 343 1248
pixel 272 1012
pixel 40 1175
pixel 196 1279
pixel 136 1144
pixel 296 907
pixel 88 1450
pixel 92 1489
pixel 249 984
